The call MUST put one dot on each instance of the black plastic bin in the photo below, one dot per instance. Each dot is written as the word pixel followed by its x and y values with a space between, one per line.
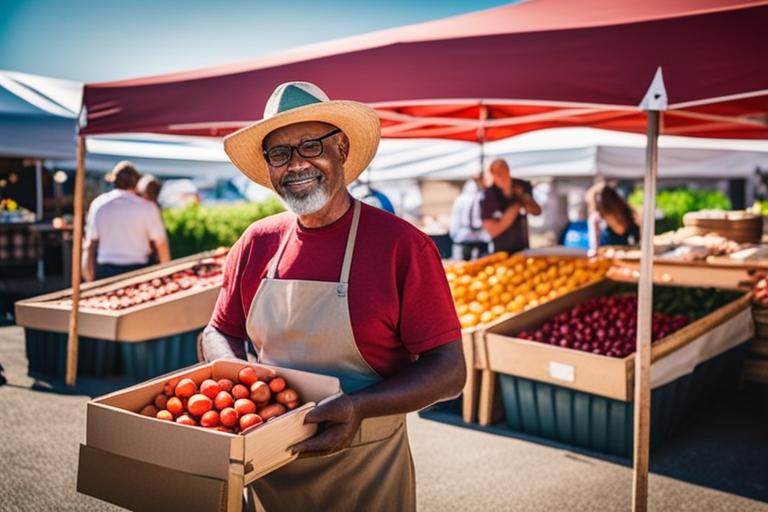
pixel 603 424
pixel 47 355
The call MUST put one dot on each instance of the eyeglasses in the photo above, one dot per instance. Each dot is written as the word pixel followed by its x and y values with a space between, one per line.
pixel 278 156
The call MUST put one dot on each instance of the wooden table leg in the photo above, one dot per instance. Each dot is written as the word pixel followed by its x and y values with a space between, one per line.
pixel 487 397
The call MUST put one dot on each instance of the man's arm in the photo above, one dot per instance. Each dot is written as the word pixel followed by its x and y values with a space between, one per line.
pixel 530 204
pixel 163 250
pixel 217 345
pixel 88 265
pixel 437 374
pixel 495 227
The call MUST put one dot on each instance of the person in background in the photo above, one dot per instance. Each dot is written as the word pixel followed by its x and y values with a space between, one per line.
pixel 470 240
pixel 336 287
pixel 504 208
pixel 611 220
pixel 149 188
pixel 369 195
pixel 119 228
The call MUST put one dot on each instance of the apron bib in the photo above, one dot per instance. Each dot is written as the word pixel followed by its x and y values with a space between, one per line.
pixel 306 325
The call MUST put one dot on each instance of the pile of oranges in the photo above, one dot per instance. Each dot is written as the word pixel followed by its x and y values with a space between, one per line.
pixel 499 284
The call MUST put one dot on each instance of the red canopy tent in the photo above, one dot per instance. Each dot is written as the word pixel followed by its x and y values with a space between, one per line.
pixel 489 75
pixel 532 65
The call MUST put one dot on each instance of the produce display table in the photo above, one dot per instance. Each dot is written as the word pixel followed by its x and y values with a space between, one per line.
pixel 585 398
pixel 501 286
pixel 139 324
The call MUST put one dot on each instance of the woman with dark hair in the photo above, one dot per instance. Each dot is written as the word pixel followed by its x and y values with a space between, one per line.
pixel 611 219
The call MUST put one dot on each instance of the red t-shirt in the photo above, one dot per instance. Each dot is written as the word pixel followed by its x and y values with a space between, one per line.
pixel 399 301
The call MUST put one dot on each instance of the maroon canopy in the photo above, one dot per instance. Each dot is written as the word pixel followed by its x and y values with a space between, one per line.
pixel 491 74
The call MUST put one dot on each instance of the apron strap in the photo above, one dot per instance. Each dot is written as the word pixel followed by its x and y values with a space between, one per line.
pixel 346 265
pixel 341 290
pixel 279 255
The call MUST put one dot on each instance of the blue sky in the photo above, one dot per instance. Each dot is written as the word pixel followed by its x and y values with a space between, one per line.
pixel 92 40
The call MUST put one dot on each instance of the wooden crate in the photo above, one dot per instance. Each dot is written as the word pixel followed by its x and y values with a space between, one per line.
pixel 179 312
pixel 747 229
pixel 141 463
pixel 590 373
pixel 698 274
pixel 476 359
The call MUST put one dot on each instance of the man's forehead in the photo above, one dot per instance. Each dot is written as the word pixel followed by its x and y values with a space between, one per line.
pixel 297 130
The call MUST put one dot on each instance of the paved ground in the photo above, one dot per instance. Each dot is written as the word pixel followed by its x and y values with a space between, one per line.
pixel 42 424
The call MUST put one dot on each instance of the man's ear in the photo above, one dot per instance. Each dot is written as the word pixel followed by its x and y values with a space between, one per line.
pixel 344 148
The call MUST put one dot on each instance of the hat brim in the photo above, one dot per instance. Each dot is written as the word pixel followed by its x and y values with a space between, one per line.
pixel 358 121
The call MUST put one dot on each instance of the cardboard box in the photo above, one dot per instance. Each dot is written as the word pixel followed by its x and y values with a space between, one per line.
pixel 144 463
pixel 179 312
pixel 476 388
pixel 605 376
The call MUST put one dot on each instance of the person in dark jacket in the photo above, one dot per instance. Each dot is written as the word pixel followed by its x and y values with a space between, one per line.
pixel 505 206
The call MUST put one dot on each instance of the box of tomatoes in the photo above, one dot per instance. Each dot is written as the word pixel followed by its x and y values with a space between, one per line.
pixel 194 438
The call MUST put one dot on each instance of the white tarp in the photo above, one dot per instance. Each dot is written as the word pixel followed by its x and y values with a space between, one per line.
pixel 729 334
pixel 38 120
pixel 573 153
pixel 38 116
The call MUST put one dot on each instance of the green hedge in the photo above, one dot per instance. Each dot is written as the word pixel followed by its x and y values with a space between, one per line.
pixel 198 228
pixel 677 202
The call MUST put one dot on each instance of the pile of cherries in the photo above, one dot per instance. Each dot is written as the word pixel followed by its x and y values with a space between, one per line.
pixel 603 325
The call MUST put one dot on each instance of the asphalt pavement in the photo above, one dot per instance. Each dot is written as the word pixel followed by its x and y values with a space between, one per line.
pixel 42 423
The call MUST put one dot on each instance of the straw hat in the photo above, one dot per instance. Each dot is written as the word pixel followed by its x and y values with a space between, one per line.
pixel 297 102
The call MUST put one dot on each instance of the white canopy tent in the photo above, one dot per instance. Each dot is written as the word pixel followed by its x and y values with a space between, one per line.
pixel 572 153
pixel 38 116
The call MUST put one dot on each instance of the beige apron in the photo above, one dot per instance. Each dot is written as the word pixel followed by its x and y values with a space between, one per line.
pixel 306 325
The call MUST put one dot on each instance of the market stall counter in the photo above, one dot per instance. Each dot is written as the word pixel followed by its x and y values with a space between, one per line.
pixel 139 324
pixel 500 286
pixel 565 369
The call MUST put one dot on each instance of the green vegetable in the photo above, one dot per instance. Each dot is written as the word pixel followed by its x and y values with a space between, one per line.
pixel 677 202
pixel 691 302
pixel 198 228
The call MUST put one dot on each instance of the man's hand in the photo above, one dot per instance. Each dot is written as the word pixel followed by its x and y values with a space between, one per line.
pixel 341 421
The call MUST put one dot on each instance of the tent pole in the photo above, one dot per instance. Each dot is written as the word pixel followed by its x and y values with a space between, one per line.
pixel 39 190
pixel 77 247
pixel 642 402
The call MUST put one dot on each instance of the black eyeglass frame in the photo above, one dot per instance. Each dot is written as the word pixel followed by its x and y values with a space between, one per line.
pixel 298 148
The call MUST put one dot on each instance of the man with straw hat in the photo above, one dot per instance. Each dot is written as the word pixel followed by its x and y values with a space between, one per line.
pixel 340 288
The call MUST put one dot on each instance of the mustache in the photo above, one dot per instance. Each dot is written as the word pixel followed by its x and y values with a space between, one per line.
pixel 300 175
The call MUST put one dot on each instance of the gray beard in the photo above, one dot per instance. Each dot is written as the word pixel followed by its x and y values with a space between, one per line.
pixel 305 204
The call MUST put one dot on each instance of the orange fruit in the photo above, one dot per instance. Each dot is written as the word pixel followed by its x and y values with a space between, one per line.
pixel 244 406
pixel 249 420
pixel 223 400
pixel 247 376
pixel 199 404
pixel 210 388
pixel 210 419
pixel 228 417
pixel 164 415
